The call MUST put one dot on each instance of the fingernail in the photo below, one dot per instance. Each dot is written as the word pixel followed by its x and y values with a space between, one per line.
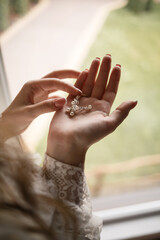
pixel 60 102
pixel 86 69
pixel 98 58
pixel 79 90
pixel 134 103
pixel 108 54
pixel 118 65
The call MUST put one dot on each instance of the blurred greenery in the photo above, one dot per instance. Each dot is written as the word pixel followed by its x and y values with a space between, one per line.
pixel 138 6
pixel 134 42
pixel 20 6
pixel 4 14
pixel 12 9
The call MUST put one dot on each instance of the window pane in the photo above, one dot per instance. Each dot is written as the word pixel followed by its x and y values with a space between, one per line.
pixel 59 37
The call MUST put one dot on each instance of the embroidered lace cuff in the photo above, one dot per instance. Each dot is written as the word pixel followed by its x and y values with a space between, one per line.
pixel 68 183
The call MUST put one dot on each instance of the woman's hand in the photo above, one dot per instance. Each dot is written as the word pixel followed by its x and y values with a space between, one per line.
pixel 70 137
pixel 33 100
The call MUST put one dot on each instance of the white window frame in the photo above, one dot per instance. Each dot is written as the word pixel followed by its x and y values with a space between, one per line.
pixel 4 82
pixel 16 141
pixel 134 222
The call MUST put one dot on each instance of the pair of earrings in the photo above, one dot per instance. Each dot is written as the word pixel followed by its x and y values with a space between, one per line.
pixel 74 108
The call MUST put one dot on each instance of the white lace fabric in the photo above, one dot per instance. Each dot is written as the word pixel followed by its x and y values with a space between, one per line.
pixel 68 183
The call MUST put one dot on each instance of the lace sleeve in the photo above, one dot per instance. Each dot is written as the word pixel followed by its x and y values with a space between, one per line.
pixel 68 183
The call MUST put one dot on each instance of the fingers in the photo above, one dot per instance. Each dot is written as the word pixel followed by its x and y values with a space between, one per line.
pixel 111 90
pixel 89 83
pixel 102 78
pixel 121 112
pixel 80 82
pixel 51 85
pixel 81 79
pixel 63 74
pixel 49 105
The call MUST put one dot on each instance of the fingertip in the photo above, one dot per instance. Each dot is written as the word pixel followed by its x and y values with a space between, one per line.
pixel 85 72
pixel 59 103
pixel 134 103
pixel 79 91
pixel 108 57
pixel 117 68
pixel 96 61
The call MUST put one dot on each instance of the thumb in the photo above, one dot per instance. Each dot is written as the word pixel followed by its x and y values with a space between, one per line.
pixel 121 112
pixel 46 106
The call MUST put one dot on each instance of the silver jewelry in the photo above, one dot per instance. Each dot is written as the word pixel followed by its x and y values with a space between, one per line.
pixel 74 108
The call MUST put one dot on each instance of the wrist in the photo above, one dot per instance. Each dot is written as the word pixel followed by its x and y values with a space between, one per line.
pixel 66 150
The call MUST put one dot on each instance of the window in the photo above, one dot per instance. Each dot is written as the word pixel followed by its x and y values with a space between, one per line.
pixel 123 169
pixel 4 90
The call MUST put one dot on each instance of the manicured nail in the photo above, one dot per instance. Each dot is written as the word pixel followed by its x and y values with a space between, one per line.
pixel 59 103
pixel 80 92
pixel 108 54
pixel 98 58
pixel 118 65
pixel 134 103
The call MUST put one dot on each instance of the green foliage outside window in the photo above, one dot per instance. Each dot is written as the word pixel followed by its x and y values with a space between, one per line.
pixel 10 8
pixel 140 5
pixel 4 14
pixel 20 6
pixel 34 1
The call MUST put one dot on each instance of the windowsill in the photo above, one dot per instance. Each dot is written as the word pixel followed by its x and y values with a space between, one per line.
pixel 140 221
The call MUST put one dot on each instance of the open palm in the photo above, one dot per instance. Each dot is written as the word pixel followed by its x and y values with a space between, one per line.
pixel 86 128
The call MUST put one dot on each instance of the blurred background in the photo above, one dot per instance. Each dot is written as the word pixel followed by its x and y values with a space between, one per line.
pixel 38 37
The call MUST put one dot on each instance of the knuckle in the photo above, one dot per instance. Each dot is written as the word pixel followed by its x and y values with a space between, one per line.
pixel 29 84
pixel 31 89
pixel 119 110
pixel 113 126
pixel 123 112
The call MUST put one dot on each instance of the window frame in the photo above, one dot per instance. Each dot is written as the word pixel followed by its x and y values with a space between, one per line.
pixel 133 216
pixel 4 82
pixel 15 141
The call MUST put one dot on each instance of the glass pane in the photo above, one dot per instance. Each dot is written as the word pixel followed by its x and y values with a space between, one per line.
pixel 54 36
pixel 4 91
pixel 129 159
